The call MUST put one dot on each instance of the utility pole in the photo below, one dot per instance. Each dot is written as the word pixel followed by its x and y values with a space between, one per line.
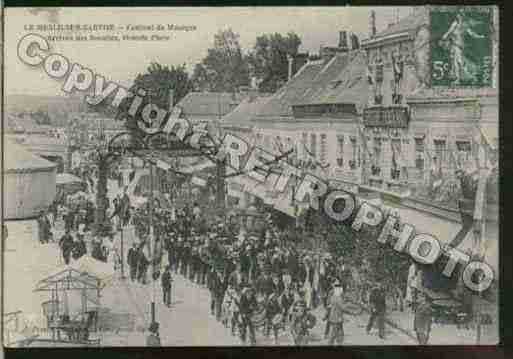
pixel 101 192
pixel 221 191
pixel 122 251
pixel 152 247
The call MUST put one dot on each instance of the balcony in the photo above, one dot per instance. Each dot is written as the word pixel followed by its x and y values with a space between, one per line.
pixel 397 116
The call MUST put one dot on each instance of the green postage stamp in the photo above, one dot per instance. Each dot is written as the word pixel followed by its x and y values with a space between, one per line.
pixel 461 46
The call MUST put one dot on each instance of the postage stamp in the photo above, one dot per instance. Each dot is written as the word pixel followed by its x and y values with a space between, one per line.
pixel 461 49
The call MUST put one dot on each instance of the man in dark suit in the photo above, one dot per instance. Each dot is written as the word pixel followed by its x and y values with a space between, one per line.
pixel 167 280
pixel 378 307
pixel 247 306
pixel 423 319
pixel 66 244
pixel 264 284
pixel 133 261
pixel 335 325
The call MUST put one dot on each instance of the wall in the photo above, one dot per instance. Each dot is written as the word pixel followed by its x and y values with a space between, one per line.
pixel 327 153
pixel 448 114
pixel 26 194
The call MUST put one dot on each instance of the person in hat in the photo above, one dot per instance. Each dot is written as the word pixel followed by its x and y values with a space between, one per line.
pixel 273 316
pixel 217 288
pixel 178 253
pixel 423 319
pixel 79 248
pixel 247 307
pixel 142 267
pixel 133 260
pixel 286 300
pixel 238 279
pixel 378 307
pixel 167 280
pixel 66 245
pixel 153 339
pixel 335 323
pixel 302 322
pixel 227 308
pixel 42 231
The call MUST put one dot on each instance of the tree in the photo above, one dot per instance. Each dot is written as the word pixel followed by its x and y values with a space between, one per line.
pixel 200 80
pixel 224 68
pixel 157 82
pixel 160 80
pixel 269 59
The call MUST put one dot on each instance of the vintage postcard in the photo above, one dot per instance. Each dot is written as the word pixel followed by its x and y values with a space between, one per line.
pixel 259 176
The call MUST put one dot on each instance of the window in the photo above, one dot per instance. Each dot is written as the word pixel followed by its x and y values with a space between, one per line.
pixel 340 146
pixel 419 153
pixel 324 148
pixel 267 142
pixel 354 154
pixel 419 145
pixel 377 150
pixel 304 144
pixel 313 145
pixel 278 145
pixel 376 163
pixel 464 151
pixel 379 73
pixel 395 171
pixel 440 153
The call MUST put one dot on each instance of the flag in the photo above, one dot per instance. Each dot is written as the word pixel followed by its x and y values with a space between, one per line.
pixel 394 159
pixel 198 181
pixel 370 79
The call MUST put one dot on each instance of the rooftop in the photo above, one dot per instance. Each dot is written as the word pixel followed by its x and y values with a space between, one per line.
pixel 408 24
pixel 18 159
pixel 341 80
pixel 209 104
pixel 242 115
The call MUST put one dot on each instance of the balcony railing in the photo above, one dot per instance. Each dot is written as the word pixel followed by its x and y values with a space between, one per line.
pixel 391 116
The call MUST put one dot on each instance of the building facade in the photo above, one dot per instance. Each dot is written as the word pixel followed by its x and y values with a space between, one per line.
pixel 418 134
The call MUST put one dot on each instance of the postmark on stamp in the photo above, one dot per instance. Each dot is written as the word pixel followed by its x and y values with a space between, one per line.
pixel 461 46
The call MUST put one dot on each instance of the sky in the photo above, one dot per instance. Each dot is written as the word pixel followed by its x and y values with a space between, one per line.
pixel 122 61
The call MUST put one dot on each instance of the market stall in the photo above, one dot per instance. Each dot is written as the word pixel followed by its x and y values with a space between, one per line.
pixel 74 303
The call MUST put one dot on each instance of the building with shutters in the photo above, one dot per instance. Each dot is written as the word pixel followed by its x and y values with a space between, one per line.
pixel 416 134
pixel 317 114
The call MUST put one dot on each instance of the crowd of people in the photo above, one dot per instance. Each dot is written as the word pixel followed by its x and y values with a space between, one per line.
pixel 257 278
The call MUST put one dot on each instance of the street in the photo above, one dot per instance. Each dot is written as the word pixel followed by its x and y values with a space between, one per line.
pixel 188 321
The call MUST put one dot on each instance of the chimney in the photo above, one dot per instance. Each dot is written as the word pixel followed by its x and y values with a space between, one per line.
pixel 342 40
pixel 253 89
pixel 171 99
pixel 299 61
pixel 355 42
pixel 325 54
pixel 372 23
pixel 290 60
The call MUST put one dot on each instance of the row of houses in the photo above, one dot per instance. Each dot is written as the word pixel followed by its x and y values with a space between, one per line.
pixel 364 114
pixel 367 116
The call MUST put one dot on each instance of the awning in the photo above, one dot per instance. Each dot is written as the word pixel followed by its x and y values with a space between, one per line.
pixel 85 272
pixel 198 181
pixel 101 270
pixel 491 134
pixel 67 178
pixel 423 222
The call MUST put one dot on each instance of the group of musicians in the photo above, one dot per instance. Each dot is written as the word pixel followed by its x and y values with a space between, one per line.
pixel 256 279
